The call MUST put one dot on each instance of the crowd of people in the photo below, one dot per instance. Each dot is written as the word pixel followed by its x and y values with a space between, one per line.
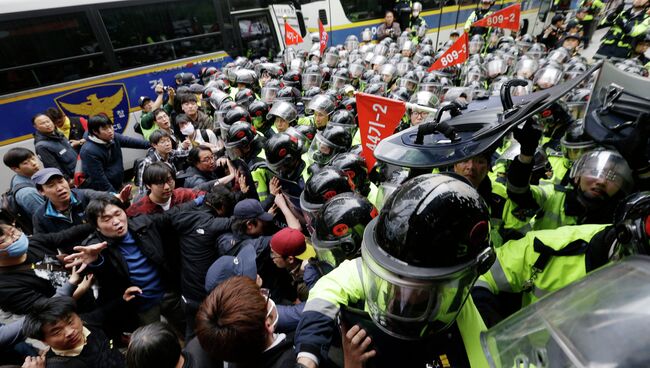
pixel 253 234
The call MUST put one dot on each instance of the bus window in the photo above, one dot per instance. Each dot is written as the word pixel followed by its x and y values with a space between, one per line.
pixel 46 50
pixel 358 10
pixel 257 36
pixel 148 34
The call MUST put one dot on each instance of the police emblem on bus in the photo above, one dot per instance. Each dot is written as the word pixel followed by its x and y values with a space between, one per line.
pixel 110 99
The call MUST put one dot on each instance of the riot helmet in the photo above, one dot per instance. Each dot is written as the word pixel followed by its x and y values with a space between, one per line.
pixel 283 155
pixel 327 143
pixel 339 227
pixel 244 97
pixel 423 253
pixel 354 166
pixel 258 111
pixel 601 174
pixel 632 222
pixel 283 114
pixel 321 187
pixel 576 142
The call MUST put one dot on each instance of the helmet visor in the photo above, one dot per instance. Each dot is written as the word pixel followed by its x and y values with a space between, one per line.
pixel 409 84
pixel 268 94
pixel 410 308
pixel 335 251
pixel 311 80
pixel 577 109
pixel 338 82
pixel 496 67
pixel 475 47
pixel 526 68
pixel 606 167
pixel 356 70
pixel 351 45
pixel 548 77
pixel 434 88
pixel 331 59
pixel 403 68
pixel 322 151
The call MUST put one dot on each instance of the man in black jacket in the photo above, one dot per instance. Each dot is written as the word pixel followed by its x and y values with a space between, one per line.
pixel 52 147
pixel 137 259
pixel 63 207
pixel 24 275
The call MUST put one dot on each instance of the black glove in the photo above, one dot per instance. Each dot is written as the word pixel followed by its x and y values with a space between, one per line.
pixel 528 137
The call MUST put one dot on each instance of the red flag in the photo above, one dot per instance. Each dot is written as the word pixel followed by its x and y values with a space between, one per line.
pixel 291 37
pixel 323 37
pixel 378 119
pixel 505 18
pixel 456 54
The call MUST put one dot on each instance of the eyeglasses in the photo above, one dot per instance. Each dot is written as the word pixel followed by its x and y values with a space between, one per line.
pixel 207 160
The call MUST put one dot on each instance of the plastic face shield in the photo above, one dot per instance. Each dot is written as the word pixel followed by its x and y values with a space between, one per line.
pixel 607 166
pixel 526 68
pixel 496 67
pixel 409 84
pixel 600 321
pixel 409 308
pixel 331 59
pixel 356 70
pixel 351 45
pixel 334 251
pixel 323 151
pixel 311 80
pixel 475 47
pixel 337 82
pixel 268 94
pixel 548 77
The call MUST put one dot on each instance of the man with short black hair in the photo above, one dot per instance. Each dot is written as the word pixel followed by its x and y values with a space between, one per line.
pixel 25 164
pixel 148 106
pixel 63 207
pixel 161 194
pixel 101 156
pixel 72 342
pixel 190 107
pixel 161 150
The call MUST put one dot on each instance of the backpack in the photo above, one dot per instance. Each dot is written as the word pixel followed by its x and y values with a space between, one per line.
pixel 9 208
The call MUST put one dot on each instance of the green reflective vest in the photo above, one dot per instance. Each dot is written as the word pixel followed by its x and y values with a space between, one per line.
pixel 513 270
pixel 343 286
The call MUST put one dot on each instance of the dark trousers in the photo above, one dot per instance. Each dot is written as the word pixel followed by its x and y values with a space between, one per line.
pixel 171 308
pixel 190 307
pixel 587 31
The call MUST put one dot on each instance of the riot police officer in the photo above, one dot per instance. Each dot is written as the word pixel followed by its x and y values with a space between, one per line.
pixel 419 258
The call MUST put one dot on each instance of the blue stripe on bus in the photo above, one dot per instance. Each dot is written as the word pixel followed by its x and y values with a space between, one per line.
pixel 17 112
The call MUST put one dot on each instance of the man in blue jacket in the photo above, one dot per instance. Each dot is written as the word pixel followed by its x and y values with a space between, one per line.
pixel 101 156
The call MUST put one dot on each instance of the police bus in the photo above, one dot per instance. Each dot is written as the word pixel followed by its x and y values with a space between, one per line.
pixel 87 57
